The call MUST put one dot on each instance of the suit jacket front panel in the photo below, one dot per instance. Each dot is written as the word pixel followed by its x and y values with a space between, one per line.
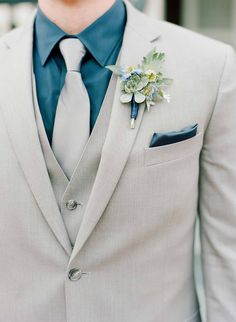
pixel 32 263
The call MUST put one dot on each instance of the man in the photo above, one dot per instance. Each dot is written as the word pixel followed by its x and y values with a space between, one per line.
pixel 96 223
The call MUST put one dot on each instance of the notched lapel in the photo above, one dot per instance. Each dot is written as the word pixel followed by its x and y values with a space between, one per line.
pixel 120 137
pixel 16 103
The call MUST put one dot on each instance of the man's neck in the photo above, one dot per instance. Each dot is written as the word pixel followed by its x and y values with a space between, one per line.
pixel 73 16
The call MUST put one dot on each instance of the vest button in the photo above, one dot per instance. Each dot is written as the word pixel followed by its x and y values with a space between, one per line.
pixel 71 205
pixel 75 274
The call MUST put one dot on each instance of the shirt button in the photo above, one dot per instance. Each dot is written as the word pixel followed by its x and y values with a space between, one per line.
pixel 71 205
pixel 75 274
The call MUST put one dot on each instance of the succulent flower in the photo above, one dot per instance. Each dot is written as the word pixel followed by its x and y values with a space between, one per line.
pixel 144 82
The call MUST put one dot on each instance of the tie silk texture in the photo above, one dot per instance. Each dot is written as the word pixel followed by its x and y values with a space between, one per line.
pixel 72 120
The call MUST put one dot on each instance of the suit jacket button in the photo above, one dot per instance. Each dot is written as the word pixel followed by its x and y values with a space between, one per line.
pixel 75 274
pixel 71 205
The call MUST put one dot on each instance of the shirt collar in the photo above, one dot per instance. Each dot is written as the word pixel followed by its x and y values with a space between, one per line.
pixel 100 38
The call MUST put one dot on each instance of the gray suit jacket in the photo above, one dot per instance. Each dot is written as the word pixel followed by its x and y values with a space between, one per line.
pixel 136 237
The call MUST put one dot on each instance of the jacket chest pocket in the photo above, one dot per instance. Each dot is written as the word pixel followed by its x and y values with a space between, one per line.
pixel 172 152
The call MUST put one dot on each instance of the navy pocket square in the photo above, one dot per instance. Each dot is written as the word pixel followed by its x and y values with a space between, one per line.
pixel 165 138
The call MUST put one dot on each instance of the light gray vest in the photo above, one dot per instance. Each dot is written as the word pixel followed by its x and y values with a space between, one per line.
pixel 80 185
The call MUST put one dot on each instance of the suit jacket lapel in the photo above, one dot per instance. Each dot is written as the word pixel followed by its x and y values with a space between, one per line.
pixel 120 137
pixel 16 101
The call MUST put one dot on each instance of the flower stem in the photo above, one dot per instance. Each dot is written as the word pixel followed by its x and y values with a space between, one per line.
pixel 134 112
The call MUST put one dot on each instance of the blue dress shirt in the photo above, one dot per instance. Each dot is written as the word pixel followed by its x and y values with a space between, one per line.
pixel 102 39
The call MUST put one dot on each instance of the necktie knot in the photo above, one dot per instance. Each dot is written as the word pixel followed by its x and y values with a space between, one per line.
pixel 72 51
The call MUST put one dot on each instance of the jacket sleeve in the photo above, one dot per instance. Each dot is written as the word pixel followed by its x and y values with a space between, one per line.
pixel 217 200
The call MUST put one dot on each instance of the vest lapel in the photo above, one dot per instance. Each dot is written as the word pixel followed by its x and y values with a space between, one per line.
pixel 57 176
pixel 120 137
pixel 16 101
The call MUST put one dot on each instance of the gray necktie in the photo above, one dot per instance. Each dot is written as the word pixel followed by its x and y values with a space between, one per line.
pixel 72 121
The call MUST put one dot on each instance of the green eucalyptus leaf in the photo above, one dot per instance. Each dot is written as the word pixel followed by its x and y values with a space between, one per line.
pixel 149 56
pixel 167 81
pixel 160 56
pixel 153 60
pixel 161 94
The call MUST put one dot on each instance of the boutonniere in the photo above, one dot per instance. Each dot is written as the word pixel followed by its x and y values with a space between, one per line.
pixel 143 83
